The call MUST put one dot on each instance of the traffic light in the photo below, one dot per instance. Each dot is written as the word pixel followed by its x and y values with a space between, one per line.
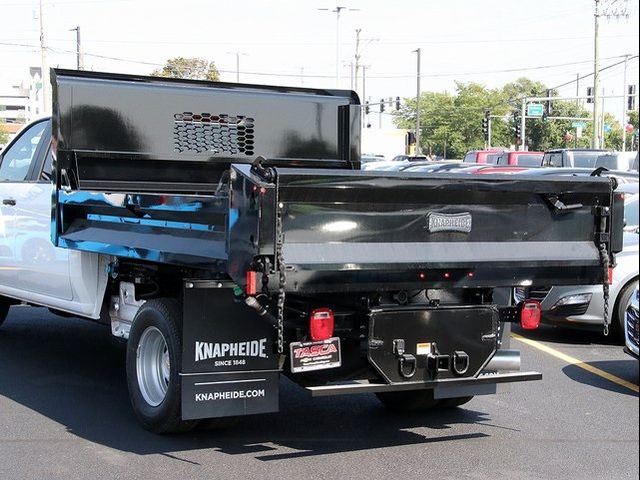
pixel 518 128
pixel 381 105
pixel 397 103
pixel 589 94
pixel 366 108
pixel 631 99
pixel 485 124
pixel 548 108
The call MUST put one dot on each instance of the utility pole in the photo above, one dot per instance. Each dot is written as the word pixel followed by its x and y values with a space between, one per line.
pixel 596 78
pixel 43 67
pixel 417 51
pixel 615 9
pixel 523 125
pixel 357 58
pixel 364 91
pixel 624 105
pixel 79 62
pixel 575 138
pixel 602 120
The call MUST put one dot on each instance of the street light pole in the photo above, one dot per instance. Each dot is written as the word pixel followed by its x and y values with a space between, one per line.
pixel 79 62
pixel 237 54
pixel 337 10
pixel 417 51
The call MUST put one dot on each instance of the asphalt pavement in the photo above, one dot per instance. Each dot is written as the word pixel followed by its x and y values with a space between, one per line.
pixel 65 414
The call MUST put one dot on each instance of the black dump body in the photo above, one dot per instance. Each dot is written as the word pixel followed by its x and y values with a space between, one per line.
pixel 160 170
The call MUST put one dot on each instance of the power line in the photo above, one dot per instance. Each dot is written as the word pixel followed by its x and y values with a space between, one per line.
pixel 298 75
pixel 591 74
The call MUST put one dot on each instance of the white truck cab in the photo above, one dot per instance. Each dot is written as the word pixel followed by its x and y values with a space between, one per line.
pixel 32 269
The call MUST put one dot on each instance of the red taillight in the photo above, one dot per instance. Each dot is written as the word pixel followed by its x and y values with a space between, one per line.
pixel 530 314
pixel 252 283
pixel 610 275
pixel 321 324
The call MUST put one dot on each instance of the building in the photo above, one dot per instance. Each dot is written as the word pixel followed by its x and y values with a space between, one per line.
pixel 22 102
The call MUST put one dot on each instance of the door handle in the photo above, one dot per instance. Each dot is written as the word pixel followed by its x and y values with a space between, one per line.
pixel 8 201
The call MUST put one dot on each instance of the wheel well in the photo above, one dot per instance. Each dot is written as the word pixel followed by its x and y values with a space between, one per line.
pixel 620 292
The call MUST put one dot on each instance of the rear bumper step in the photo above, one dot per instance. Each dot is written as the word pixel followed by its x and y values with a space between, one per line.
pixel 481 382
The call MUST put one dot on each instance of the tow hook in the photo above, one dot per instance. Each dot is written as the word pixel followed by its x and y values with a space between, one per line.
pixel 460 363
pixel 407 362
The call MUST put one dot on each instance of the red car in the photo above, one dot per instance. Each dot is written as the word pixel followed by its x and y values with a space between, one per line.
pixel 482 156
pixel 521 159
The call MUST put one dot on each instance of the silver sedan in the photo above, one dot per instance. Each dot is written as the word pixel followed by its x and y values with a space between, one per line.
pixel 583 305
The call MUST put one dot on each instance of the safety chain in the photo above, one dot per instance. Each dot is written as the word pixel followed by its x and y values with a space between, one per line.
pixel 282 280
pixel 604 259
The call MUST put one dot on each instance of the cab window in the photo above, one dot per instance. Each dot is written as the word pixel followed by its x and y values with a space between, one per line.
pixel 555 160
pixel 470 157
pixel 17 159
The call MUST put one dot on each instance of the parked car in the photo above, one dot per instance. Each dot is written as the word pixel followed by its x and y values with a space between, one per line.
pixel 631 326
pixel 431 167
pixel 410 158
pixel 521 159
pixel 630 178
pixel 584 306
pixel 615 161
pixel 371 158
pixel 482 156
pixel 572 157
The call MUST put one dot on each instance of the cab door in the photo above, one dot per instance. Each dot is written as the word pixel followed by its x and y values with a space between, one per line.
pixel 16 164
pixel 44 268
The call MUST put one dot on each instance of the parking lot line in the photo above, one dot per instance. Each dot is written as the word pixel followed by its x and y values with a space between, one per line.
pixel 578 363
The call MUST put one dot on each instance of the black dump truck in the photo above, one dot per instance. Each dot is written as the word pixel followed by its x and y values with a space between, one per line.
pixel 245 243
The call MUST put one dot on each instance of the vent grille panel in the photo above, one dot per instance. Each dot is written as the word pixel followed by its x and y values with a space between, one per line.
pixel 213 133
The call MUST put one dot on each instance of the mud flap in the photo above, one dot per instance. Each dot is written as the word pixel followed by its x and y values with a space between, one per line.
pixel 229 367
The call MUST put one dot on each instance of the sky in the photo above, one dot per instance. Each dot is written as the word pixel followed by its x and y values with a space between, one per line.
pixel 293 42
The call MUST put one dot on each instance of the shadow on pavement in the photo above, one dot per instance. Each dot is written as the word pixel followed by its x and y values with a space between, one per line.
pixel 624 369
pixel 71 371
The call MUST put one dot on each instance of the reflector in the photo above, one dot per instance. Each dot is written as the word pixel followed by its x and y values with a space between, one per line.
pixel 321 324
pixel 530 314
pixel 252 283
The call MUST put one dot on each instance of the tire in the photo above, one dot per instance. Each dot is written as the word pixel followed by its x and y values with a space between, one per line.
pixel 155 387
pixel 409 401
pixel 621 308
pixel 4 309
pixel 454 402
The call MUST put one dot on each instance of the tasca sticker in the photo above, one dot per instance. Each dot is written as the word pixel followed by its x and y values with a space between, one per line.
pixel 251 348
pixel 315 355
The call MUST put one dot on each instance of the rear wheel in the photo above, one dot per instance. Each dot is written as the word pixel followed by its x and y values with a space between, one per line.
pixel 154 352
pixel 409 401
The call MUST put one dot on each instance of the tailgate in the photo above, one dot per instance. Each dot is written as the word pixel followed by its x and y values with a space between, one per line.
pixel 353 230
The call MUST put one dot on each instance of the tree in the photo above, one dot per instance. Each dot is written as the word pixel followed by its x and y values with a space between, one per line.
pixel 190 68
pixel 4 136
